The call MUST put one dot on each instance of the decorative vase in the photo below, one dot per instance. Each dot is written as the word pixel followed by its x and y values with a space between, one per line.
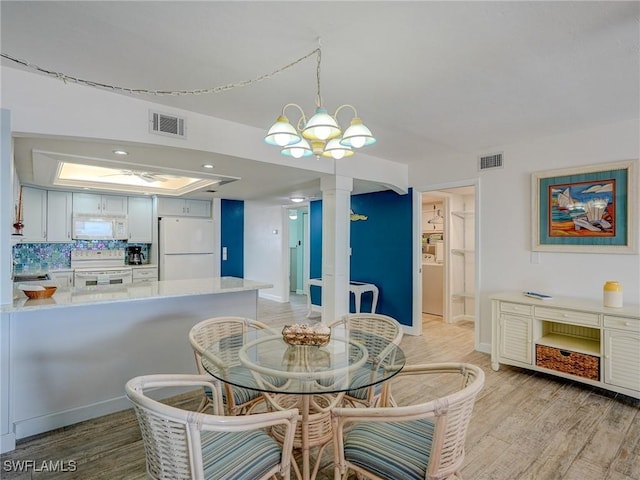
pixel 18 226
pixel 612 294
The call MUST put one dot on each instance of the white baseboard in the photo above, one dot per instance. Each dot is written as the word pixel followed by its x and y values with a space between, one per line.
pixel 7 443
pixel 275 298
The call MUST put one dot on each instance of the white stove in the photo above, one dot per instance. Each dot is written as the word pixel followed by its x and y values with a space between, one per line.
pixel 100 267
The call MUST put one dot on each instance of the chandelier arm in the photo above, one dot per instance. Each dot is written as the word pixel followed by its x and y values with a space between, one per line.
pixel 346 105
pixel 303 117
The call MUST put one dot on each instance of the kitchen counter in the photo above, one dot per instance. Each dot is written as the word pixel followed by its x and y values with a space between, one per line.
pixel 74 296
pixel 67 359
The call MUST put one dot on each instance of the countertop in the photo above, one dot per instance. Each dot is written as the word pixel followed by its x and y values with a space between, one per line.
pixel 74 296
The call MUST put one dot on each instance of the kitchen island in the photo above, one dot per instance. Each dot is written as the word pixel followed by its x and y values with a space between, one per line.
pixel 66 359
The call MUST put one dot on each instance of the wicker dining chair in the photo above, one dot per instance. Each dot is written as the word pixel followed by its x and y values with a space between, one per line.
pixel 416 442
pixel 377 332
pixel 186 445
pixel 222 338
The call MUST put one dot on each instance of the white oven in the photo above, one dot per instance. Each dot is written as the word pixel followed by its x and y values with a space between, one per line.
pixel 100 267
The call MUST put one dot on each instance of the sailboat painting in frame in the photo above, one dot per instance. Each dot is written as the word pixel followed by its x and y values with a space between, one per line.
pixel 586 209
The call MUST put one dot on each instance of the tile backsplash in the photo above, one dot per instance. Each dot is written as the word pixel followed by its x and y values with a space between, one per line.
pixel 51 256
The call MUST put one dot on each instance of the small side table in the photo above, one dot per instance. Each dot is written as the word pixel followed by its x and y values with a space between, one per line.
pixel 357 288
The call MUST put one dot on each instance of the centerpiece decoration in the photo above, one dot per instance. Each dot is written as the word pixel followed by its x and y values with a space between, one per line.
pixel 300 334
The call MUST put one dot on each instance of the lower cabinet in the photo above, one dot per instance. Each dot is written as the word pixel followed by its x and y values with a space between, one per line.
pixel 62 278
pixel 145 274
pixel 572 338
pixel 622 352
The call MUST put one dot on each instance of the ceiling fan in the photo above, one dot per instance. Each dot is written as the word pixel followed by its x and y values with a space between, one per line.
pixel 148 177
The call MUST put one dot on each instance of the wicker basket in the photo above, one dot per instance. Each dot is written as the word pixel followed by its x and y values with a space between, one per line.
pixel 37 294
pixel 296 335
pixel 574 363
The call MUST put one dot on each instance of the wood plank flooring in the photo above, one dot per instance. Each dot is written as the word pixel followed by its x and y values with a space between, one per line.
pixel 525 426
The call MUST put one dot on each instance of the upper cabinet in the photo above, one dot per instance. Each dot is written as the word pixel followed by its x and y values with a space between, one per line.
pixel 59 206
pixel 99 204
pixel 34 215
pixel 183 207
pixel 140 212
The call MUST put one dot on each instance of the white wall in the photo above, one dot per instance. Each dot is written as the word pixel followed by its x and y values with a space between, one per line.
pixel 264 250
pixel 505 217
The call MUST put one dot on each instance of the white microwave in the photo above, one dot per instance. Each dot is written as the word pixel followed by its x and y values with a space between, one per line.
pixel 100 227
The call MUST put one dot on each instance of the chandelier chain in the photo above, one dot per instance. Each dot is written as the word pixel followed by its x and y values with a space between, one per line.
pixel 319 60
pixel 143 91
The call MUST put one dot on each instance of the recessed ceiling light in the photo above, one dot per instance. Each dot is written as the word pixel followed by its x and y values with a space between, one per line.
pixel 297 199
pixel 121 152
pixel 207 165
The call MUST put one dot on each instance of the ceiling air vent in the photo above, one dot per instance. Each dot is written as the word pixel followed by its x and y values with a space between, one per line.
pixel 486 162
pixel 169 125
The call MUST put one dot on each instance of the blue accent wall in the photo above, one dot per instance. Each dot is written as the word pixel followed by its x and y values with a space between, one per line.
pixel 381 250
pixel 315 247
pixel 232 237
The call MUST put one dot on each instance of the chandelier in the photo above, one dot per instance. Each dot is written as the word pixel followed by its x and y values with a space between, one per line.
pixel 320 135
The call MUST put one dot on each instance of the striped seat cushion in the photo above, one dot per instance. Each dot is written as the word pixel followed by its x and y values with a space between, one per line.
pixel 391 450
pixel 363 377
pixel 243 376
pixel 238 455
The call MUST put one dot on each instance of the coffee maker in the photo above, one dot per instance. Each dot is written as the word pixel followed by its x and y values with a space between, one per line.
pixel 134 255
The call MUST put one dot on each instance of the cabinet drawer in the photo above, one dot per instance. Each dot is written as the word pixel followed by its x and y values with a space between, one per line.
pixel 516 308
pixel 145 273
pixel 623 323
pixel 568 316
pixel 566 361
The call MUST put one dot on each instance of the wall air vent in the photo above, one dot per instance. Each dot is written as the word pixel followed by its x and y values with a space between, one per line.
pixel 170 125
pixel 494 160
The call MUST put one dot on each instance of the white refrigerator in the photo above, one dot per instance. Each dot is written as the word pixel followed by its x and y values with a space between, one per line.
pixel 186 248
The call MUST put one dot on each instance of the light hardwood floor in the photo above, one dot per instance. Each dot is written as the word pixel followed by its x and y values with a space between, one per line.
pixel 525 426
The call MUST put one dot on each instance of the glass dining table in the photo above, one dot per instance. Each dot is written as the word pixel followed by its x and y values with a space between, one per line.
pixel 312 378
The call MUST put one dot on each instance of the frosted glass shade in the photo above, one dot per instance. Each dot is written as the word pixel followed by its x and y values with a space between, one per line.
pixel 321 126
pixel 298 150
pixel 282 133
pixel 357 135
pixel 335 150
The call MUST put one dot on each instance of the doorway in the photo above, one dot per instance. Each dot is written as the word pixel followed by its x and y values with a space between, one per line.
pixel 298 249
pixel 448 264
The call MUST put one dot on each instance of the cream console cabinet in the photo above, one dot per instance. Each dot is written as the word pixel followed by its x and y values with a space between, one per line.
pixel 570 337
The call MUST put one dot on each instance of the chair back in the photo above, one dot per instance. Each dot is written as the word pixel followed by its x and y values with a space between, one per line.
pixel 441 429
pixel 174 439
pixel 375 330
pixel 218 332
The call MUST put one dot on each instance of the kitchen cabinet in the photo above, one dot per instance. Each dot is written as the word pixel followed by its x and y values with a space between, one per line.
pixel 578 339
pixel 183 207
pixel 34 215
pixel 62 278
pixel 99 204
pixel 145 273
pixel 59 205
pixel 140 219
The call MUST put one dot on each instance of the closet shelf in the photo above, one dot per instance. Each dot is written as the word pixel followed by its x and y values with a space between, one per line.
pixel 463 213
pixel 462 295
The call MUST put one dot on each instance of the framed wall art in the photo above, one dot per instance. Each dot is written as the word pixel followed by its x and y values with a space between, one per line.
pixel 589 209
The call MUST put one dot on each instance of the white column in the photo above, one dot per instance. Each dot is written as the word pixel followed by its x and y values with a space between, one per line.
pixel 336 210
